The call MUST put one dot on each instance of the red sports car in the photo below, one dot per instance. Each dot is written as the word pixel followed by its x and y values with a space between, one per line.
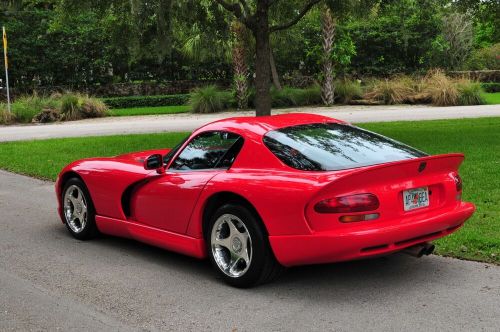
pixel 256 194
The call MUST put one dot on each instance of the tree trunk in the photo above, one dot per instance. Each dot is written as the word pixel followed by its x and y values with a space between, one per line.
pixel 262 67
pixel 240 67
pixel 327 87
pixel 274 71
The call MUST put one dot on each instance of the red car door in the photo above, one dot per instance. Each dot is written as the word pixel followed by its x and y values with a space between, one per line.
pixel 167 201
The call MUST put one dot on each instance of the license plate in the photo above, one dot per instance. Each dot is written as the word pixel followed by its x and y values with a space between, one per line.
pixel 415 198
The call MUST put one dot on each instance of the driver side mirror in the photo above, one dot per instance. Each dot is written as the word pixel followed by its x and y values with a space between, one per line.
pixel 154 162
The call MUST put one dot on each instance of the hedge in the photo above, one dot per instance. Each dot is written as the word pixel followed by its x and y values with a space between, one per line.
pixel 146 101
pixel 491 87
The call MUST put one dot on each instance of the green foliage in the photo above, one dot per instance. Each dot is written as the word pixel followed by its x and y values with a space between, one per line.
pixel 396 38
pixel 485 58
pixel 70 105
pixel 76 106
pixel 26 107
pixel 67 106
pixel 210 99
pixel 80 44
pixel 491 87
pixel 291 97
pixel 348 90
pixel 146 101
pixel 470 93
pixel 5 116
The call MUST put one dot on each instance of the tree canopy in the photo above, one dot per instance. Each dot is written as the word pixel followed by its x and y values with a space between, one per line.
pixel 76 43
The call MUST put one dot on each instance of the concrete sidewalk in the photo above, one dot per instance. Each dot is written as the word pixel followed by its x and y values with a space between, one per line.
pixel 189 122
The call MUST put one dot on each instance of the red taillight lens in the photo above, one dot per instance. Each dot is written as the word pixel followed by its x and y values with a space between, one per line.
pixel 345 204
pixel 458 181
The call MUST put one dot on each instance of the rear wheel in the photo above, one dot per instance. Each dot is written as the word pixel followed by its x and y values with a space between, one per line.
pixel 78 210
pixel 238 247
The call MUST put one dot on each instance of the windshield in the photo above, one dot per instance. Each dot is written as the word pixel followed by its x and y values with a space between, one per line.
pixel 172 152
pixel 333 146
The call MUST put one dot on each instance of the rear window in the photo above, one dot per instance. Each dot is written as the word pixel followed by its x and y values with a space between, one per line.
pixel 333 146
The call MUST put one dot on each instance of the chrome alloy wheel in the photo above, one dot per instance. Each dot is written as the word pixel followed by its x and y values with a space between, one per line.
pixel 75 209
pixel 231 245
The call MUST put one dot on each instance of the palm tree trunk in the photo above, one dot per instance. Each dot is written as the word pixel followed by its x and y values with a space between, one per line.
pixel 327 87
pixel 240 67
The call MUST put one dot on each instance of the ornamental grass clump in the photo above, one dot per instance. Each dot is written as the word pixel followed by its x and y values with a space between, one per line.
pixel 6 117
pixel 469 92
pixel 75 106
pixel 390 91
pixel 210 99
pixel 25 108
pixel 348 90
pixel 441 89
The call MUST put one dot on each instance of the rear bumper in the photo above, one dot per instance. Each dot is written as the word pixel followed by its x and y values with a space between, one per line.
pixel 369 241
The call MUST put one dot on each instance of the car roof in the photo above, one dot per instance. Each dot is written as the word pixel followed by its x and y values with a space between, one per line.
pixel 263 124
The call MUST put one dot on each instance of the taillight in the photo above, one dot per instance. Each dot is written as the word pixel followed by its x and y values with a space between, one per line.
pixel 458 182
pixel 346 204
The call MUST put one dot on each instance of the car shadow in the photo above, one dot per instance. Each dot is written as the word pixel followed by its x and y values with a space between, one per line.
pixel 337 282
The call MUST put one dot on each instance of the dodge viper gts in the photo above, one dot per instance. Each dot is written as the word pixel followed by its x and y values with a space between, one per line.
pixel 257 194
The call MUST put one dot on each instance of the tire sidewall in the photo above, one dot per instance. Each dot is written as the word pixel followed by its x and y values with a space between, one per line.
pixel 90 228
pixel 259 245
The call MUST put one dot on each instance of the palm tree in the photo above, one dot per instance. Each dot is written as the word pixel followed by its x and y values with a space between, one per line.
pixel 327 87
pixel 240 66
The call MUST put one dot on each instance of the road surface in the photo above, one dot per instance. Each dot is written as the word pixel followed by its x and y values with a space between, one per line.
pixel 189 122
pixel 50 281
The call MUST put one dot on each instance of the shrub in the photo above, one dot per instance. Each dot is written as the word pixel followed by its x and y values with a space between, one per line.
pixel 393 91
pixel 75 106
pixel 92 108
pixel 146 101
pixel 312 95
pixel 469 93
pixel 289 97
pixel 491 87
pixel 347 90
pixel 210 99
pixel 26 107
pixel 70 104
pixel 485 58
pixel 5 116
pixel 442 90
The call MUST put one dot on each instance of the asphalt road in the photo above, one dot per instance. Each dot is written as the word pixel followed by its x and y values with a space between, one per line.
pixel 49 281
pixel 189 122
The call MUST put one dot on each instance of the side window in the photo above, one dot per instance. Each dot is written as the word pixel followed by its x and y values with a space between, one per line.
pixel 209 150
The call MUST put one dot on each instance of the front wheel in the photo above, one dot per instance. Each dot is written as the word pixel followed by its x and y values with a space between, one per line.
pixel 238 248
pixel 78 209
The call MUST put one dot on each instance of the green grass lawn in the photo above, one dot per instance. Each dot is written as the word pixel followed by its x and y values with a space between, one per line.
pixel 479 139
pixel 492 98
pixel 149 110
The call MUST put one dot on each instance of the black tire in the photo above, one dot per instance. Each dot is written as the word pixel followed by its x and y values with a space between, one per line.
pixel 263 265
pixel 89 230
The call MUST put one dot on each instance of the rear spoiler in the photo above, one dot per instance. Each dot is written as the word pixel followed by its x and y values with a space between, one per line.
pixel 398 170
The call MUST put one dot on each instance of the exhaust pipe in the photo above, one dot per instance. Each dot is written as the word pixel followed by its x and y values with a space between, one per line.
pixel 420 249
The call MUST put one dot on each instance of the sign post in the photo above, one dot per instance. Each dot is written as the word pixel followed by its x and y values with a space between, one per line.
pixel 6 67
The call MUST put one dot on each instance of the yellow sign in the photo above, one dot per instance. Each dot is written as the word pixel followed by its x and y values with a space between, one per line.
pixel 5 47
